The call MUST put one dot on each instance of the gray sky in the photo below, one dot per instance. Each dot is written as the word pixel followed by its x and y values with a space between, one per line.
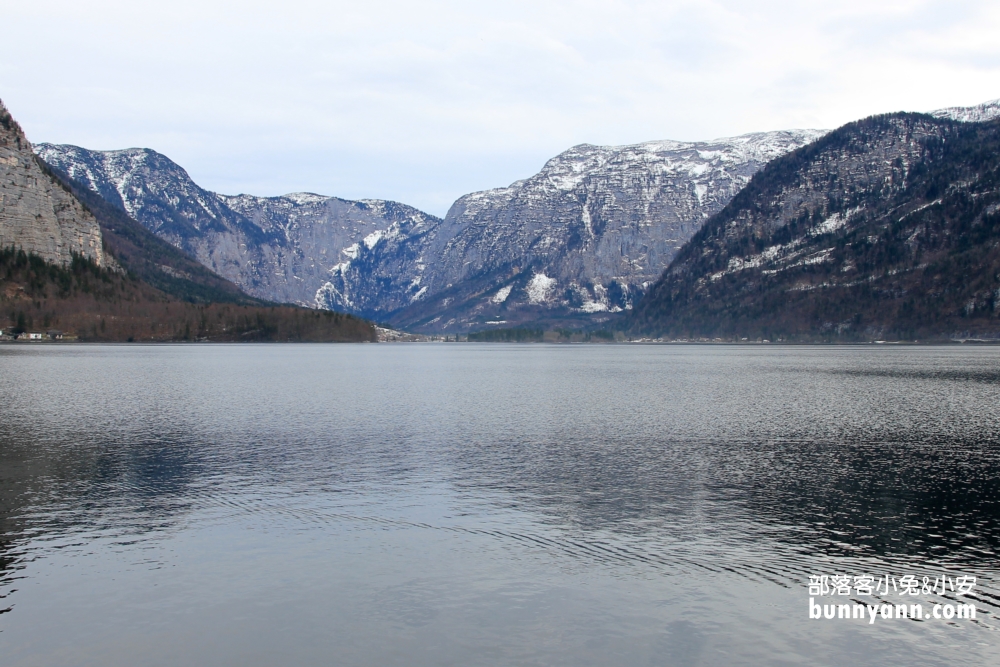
pixel 422 102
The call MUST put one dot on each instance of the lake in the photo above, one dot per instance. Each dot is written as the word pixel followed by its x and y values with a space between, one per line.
pixel 476 504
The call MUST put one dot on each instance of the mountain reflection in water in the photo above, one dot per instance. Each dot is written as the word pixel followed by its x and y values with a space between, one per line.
pixel 477 504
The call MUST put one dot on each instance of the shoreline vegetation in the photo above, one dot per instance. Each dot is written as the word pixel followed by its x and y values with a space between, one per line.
pixel 69 339
pixel 85 302
pixel 41 302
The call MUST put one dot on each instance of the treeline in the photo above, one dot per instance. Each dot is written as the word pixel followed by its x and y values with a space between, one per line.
pixel 538 335
pixel 515 335
pixel 84 300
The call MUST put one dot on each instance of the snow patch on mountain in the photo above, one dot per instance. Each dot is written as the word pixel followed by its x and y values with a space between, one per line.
pixel 540 288
pixel 502 294
pixel 833 223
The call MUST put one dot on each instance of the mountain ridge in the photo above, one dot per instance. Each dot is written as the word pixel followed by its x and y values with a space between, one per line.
pixel 274 248
pixel 886 227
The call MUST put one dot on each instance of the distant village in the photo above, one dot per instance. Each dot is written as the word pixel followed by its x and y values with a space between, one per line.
pixel 7 335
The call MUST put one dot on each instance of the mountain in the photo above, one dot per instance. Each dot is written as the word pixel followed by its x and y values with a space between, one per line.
pixel 579 241
pixel 582 238
pixel 275 248
pixel 37 213
pixel 149 258
pixel 885 228
pixel 45 213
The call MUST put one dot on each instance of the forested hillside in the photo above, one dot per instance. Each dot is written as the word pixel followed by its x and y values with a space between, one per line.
pixel 91 303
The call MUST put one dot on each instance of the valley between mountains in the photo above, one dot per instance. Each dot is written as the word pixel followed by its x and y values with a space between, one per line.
pixel 579 241
pixel 761 235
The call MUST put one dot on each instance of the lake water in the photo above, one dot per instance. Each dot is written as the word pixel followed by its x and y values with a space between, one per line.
pixel 472 504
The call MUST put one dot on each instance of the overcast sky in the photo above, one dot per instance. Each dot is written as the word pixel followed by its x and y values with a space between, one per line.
pixel 422 102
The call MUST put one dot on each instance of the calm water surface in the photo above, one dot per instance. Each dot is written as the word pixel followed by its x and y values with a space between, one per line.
pixel 490 505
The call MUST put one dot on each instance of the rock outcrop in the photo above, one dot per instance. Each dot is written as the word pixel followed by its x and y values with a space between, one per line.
pixel 37 214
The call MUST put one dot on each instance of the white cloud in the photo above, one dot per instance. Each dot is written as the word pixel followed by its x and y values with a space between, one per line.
pixel 424 101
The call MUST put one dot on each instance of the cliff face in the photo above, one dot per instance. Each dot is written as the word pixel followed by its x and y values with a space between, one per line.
pixel 36 213
pixel 887 227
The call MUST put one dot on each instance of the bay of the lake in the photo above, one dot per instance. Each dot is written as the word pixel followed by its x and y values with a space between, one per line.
pixel 467 504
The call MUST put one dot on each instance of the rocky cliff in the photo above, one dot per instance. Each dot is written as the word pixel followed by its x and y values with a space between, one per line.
pixel 37 214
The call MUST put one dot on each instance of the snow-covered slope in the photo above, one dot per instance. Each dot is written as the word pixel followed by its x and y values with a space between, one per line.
pixel 977 114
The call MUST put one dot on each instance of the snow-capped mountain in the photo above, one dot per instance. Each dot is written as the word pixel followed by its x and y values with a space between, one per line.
pixel 276 248
pixel 584 236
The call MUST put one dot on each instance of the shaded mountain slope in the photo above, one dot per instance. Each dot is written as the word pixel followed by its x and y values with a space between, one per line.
pixel 887 227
